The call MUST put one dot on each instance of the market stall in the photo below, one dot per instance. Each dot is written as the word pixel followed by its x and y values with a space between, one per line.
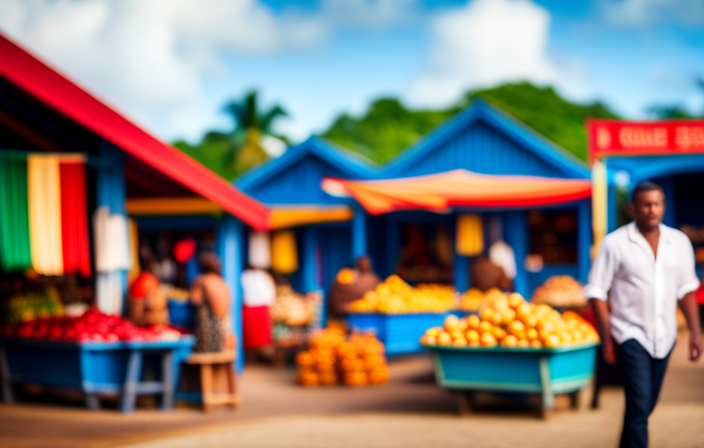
pixel 69 165
pixel 669 153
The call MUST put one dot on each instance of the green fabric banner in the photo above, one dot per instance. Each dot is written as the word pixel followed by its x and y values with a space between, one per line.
pixel 15 253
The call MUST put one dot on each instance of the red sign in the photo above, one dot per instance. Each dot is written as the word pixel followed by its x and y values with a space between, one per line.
pixel 616 137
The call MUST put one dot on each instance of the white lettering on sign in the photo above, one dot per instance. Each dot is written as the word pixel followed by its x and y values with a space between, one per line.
pixel 689 136
pixel 637 137
pixel 603 138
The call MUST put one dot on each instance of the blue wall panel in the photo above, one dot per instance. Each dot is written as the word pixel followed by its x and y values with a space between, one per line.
pixel 482 149
pixel 298 184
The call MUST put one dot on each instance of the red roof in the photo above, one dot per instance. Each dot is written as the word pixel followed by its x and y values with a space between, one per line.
pixel 56 91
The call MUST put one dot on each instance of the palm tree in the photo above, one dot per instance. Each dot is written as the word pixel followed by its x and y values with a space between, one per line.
pixel 251 125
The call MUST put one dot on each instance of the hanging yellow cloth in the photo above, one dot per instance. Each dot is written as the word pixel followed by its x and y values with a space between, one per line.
pixel 44 197
pixel 134 250
pixel 284 256
pixel 470 235
pixel 599 205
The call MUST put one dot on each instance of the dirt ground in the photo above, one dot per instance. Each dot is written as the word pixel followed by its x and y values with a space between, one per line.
pixel 410 411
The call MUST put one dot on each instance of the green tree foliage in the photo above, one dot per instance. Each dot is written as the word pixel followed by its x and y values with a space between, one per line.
pixel 231 154
pixel 389 127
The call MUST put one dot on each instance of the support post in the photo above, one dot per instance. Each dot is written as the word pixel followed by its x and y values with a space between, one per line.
pixel 359 233
pixel 229 248
pixel 584 239
pixel 111 190
pixel 310 260
pixel 517 238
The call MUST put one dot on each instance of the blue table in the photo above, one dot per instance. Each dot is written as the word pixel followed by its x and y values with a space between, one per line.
pixel 94 367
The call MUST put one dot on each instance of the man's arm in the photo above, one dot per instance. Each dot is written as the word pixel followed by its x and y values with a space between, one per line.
pixel 690 309
pixel 601 313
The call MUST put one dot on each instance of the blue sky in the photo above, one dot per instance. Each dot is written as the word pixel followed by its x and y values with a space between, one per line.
pixel 172 64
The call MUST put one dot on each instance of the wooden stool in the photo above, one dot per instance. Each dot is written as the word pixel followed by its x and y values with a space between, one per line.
pixel 212 363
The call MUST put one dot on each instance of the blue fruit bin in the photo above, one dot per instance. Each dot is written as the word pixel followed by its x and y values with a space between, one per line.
pixel 400 333
pixel 546 371
pixel 90 366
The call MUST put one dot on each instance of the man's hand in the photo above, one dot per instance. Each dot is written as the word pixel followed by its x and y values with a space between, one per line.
pixel 695 346
pixel 690 309
pixel 609 350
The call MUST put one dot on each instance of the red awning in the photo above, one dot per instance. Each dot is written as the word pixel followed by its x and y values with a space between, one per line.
pixel 53 89
pixel 458 188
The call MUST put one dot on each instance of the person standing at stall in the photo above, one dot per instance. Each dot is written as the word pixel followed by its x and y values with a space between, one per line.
pixel 346 290
pixel 211 297
pixel 258 294
pixel 641 272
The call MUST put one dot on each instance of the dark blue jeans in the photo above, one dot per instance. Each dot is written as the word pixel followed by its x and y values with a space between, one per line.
pixel 642 379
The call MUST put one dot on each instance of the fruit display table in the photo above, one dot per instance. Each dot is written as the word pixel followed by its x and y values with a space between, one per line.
pixel 95 367
pixel 400 333
pixel 546 371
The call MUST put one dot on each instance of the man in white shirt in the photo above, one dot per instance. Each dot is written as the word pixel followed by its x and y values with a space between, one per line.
pixel 642 270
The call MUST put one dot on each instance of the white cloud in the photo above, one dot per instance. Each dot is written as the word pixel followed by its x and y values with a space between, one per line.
pixel 149 57
pixel 370 13
pixel 485 43
pixel 635 13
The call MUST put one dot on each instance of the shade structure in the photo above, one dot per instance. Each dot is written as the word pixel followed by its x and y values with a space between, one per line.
pixel 458 188
pixel 151 163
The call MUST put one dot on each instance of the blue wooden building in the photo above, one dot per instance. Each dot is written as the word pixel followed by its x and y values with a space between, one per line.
pixel 480 139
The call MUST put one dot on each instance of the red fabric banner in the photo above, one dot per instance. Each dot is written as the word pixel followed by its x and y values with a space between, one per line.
pixel 74 218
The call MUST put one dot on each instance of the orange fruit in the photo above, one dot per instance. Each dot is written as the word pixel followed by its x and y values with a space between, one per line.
pixel 515 300
pixel 451 323
pixel 433 332
pixel 429 340
pixel 516 327
pixel 472 336
pixel 530 321
pixel 509 316
pixel 473 322
pixel 497 319
pixel 547 326
pixel 552 341
pixel 488 340
pixel 459 342
pixel 499 333
pixel 536 344
pixel 457 334
pixel 510 341
pixel 487 315
pixel 532 334
pixel 485 327
pixel 444 339
pixel 523 343
pixel 523 311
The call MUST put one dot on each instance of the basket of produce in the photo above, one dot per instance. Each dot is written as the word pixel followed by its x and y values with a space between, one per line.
pixel 332 358
pixel 560 291
pixel 514 346
pixel 398 313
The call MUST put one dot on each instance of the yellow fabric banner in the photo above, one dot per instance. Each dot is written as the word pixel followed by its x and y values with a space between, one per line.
pixel 44 198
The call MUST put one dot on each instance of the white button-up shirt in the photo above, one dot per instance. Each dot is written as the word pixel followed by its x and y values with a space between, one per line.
pixel 643 290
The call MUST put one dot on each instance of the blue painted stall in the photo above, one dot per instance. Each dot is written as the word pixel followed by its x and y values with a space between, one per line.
pixel 675 162
pixel 480 139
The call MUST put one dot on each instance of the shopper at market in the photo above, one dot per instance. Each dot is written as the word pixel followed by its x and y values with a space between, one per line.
pixel 258 294
pixel 211 296
pixel 485 275
pixel 350 286
pixel 642 270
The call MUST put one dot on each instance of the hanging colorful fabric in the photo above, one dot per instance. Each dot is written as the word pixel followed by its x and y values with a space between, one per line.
pixel 134 250
pixel 15 251
pixel 44 194
pixel 470 235
pixel 74 217
pixel 284 256
pixel 259 249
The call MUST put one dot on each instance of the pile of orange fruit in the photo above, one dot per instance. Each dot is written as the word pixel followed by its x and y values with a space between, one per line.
pixel 510 321
pixel 474 299
pixel 333 359
pixel 395 296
